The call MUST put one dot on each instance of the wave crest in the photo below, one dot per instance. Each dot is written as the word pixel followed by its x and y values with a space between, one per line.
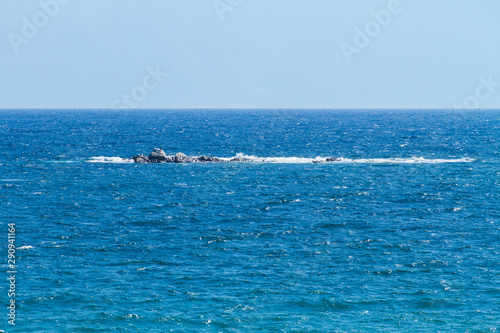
pixel 410 160
pixel 105 159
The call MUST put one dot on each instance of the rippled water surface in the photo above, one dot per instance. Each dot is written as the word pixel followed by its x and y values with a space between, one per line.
pixel 401 234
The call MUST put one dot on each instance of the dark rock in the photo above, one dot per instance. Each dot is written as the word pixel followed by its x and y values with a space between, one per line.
pixel 208 159
pixel 239 159
pixel 141 158
pixel 182 158
pixel 158 155
pixel 205 159
pixel 332 159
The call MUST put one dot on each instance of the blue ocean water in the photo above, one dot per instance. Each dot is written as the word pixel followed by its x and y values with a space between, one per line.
pixel 402 234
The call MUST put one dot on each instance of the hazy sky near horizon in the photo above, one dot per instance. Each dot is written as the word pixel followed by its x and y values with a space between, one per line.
pixel 250 54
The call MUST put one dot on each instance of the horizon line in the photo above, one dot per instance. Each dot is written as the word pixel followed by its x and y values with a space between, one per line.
pixel 249 109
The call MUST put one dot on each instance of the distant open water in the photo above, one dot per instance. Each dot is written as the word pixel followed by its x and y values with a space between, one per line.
pixel 402 234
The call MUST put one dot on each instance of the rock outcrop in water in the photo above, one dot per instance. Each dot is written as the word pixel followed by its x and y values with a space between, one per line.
pixel 182 158
pixel 159 156
pixel 141 159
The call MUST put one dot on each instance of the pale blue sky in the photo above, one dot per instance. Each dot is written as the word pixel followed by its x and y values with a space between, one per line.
pixel 249 54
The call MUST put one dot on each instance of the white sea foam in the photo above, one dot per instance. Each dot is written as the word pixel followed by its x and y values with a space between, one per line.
pixel 64 161
pixel 105 159
pixel 285 160
pixel 319 159
pixel 410 160
pixel 28 247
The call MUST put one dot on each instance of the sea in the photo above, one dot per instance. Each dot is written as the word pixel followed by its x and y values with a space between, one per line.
pixel 400 234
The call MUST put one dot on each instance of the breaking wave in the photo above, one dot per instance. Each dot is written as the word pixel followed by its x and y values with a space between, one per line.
pixel 303 160
pixel 411 160
pixel 105 159
pixel 27 247
pixel 297 160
